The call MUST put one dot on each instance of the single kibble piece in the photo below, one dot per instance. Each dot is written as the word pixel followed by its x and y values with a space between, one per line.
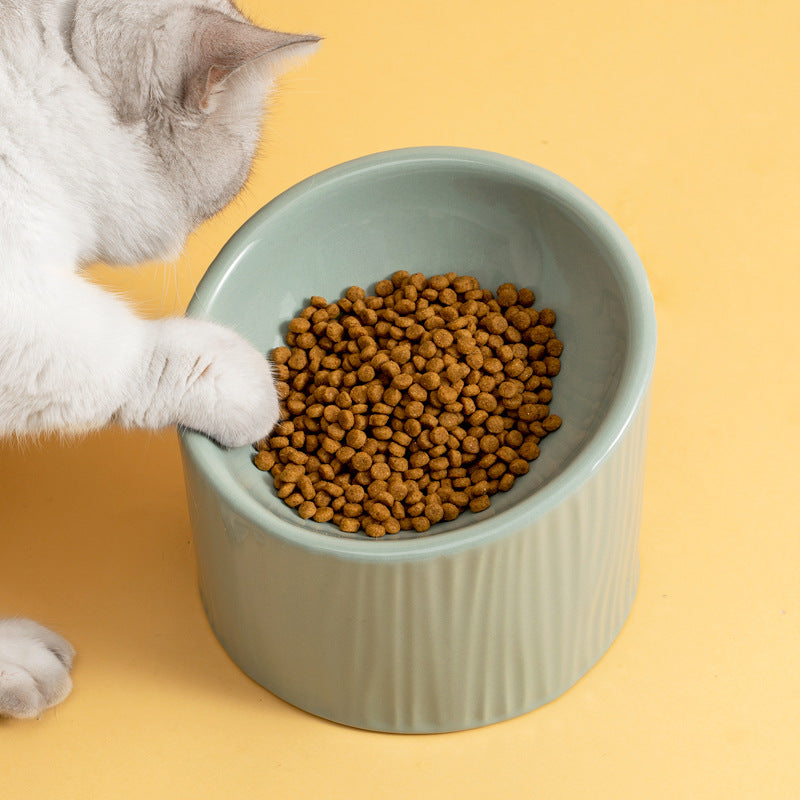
pixel 405 408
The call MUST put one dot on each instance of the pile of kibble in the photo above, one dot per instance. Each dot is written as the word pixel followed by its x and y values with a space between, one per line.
pixel 409 406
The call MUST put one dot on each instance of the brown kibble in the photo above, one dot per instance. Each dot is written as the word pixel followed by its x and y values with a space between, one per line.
pixel 286 489
pixel 520 320
pixel 297 360
pixel 529 450
pixel 507 389
pixel 439 435
pixel 307 509
pixel 324 514
pixel 380 471
pixel 417 392
pixel 361 461
pixel 356 438
pixel 412 427
pixel 392 525
pixel 414 409
pixel 365 373
pixel 294 500
pixel 355 293
pixel 346 419
pixel 552 365
pixel 398 490
pixel 526 298
pixel 513 438
pixel 495 323
pixel 421 524
pixel 434 512
pixel 442 338
pixel 354 493
pixel 449 420
pixel 486 402
pixel 540 334
pixel 554 347
pixel 349 525
pixel 306 487
pixel 352 509
pixel 470 444
pixel 430 381
pixel 401 380
pixel 264 460
pixel 465 283
pixel 403 408
pixel 374 529
pixel 489 443
pixel 507 295
pixel 447 394
pixel 496 470
pixel 280 355
pixel 448 297
pixel 479 488
pixel 291 473
pixel 379 512
pixel 450 511
pixel 518 466
pixel 392 396
pixel 551 423
pixel 495 424
pixel 505 482
pixel 384 288
pixel 506 453
pixel 480 503
pixel 547 317
pixel 345 453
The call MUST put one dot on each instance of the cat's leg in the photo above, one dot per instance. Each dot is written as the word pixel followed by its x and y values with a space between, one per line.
pixel 204 377
pixel 34 668
pixel 74 357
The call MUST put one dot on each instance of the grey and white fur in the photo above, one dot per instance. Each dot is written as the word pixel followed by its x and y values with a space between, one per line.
pixel 123 124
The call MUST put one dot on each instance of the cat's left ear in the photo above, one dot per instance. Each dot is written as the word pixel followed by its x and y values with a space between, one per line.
pixel 222 45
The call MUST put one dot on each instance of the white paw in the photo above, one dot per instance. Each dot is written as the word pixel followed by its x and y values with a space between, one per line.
pixel 34 668
pixel 228 392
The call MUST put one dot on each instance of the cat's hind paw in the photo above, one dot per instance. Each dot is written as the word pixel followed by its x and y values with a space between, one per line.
pixel 34 668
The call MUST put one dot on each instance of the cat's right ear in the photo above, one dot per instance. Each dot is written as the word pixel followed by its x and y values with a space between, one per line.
pixel 222 46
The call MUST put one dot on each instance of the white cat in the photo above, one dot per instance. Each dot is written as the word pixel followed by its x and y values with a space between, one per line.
pixel 123 124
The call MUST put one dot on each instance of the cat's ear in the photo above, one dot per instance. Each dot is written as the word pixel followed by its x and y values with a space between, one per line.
pixel 222 45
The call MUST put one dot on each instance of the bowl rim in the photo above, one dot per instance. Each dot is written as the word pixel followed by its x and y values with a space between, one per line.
pixel 630 394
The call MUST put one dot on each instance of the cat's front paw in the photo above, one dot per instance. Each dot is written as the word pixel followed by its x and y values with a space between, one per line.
pixel 229 392
pixel 34 668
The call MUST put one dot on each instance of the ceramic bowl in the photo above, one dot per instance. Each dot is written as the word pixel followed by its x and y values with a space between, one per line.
pixel 490 615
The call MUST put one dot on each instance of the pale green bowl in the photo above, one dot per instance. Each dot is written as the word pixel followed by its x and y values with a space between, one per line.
pixel 488 616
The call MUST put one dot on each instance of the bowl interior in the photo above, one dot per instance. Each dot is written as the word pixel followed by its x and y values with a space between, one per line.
pixel 433 211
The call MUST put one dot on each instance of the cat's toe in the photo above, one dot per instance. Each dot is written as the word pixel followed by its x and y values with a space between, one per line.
pixel 34 668
pixel 252 409
pixel 231 393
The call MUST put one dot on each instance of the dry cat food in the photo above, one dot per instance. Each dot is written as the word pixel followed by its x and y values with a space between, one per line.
pixel 410 406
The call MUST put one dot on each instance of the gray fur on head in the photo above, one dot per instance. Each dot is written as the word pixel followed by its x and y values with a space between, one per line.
pixel 192 78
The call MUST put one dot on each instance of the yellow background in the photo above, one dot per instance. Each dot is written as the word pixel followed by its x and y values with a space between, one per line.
pixel 681 119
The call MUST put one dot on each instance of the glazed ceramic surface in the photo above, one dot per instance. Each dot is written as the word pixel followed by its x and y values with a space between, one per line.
pixel 490 615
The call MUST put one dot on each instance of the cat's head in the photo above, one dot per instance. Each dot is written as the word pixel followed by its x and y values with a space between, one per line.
pixel 192 76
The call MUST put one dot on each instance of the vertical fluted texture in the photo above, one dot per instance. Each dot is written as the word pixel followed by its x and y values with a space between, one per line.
pixel 445 642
